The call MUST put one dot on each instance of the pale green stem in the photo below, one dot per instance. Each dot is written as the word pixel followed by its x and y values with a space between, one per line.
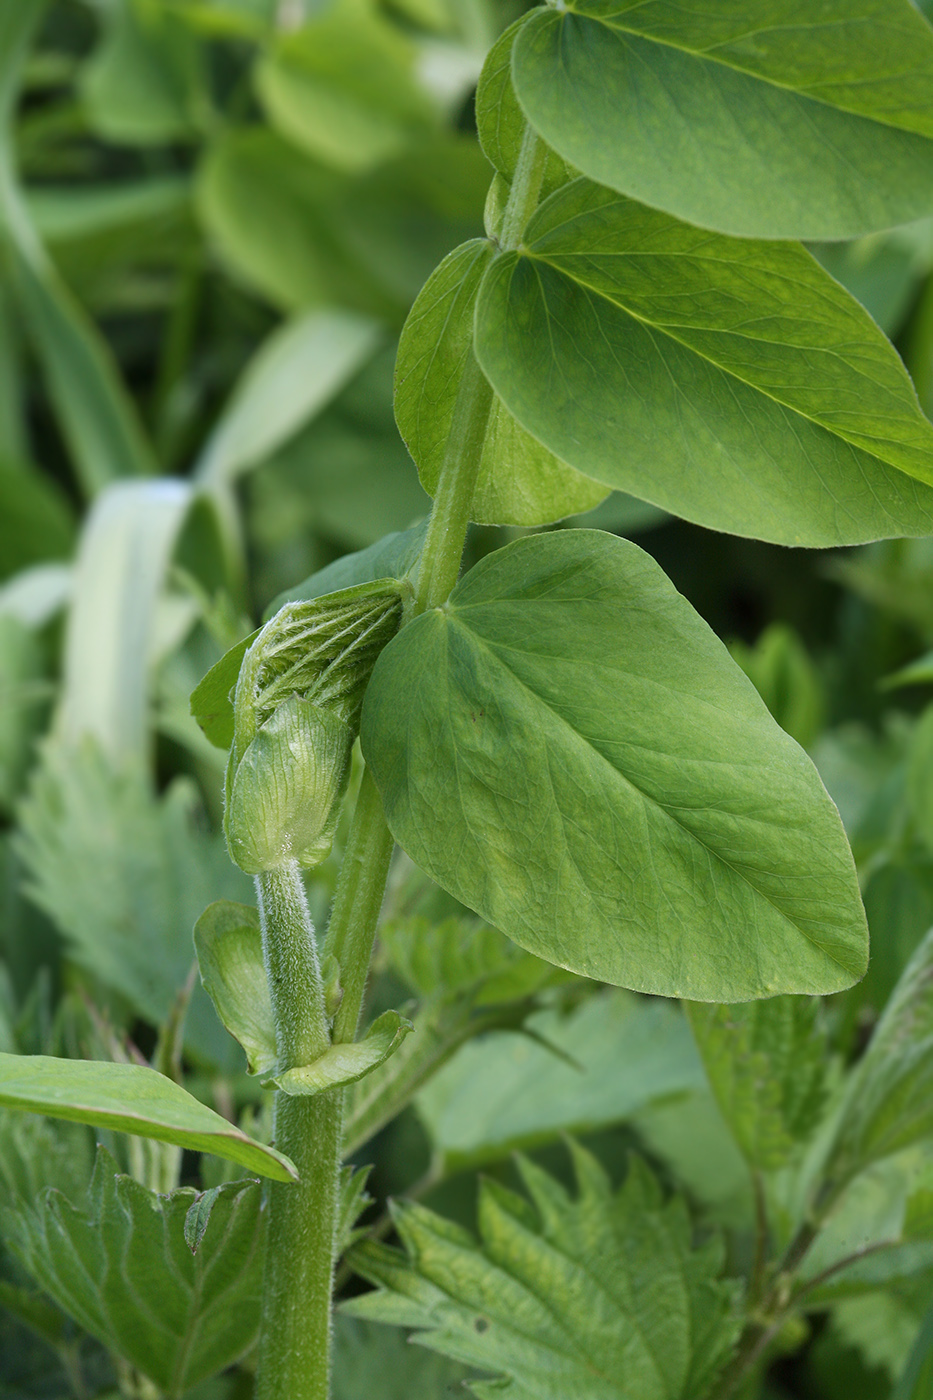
pixel 294 1355
pixel 294 1344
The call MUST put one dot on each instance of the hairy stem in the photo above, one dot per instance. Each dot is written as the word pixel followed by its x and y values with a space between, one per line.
pixel 294 1343
pixel 525 191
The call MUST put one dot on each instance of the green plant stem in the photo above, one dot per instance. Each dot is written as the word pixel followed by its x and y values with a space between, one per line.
pixel 360 891
pixel 294 1343
pixel 525 191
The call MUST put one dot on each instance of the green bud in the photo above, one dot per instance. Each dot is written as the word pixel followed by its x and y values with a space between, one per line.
pixel 283 796
pixel 296 713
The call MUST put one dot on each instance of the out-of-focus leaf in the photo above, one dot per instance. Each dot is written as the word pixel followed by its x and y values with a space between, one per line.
pixel 459 955
pixel 136 87
pixel 132 929
pixel 917 1381
pixel 125 550
pixel 782 672
pixel 600 1297
pixel 766 1063
pixel 34 596
pixel 610 1057
pixel 889 1102
pixel 920 776
pixel 304 235
pixel 21 691
pixel 370 1360
pixel 344 87
pixel 36 523
pixel 295 373
pixel 228 941
pixel 131 1099
pixel 118 1263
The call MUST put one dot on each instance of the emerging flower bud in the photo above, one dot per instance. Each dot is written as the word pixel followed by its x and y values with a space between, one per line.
pixel 284 798
pixel 296 714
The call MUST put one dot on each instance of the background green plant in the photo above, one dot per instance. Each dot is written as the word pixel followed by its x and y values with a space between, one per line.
pixel 214 227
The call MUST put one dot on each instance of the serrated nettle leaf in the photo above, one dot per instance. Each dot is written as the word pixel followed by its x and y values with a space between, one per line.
pixel 228 942
pixel 520 482
pixel 766 1066
pixel 119 1263
pixel 889 1102
pixel 459 955
pixel 567 749
pixel 835 132
pixel 598 1296
pixel 354 1200
pixel 131 1099
pixel 731 382
pixel 500 121
pixel 346 1063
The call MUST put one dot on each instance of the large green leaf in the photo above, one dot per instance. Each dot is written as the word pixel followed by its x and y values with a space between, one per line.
pixel 370 1360
pixel 131 1099
pixel 732 382
pixel 599 1297
pixel 520 482
pixel 119 1264
pixel 567 749
pixel 786 120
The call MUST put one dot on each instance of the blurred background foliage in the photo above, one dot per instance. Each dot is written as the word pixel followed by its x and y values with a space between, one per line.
pixel 214 216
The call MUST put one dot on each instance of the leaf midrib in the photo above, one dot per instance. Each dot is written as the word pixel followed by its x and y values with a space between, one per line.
pixel 707 56
pixel 492 651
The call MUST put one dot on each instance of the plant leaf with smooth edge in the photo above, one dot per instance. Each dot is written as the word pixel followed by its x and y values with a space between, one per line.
pixel 520 482
pixel 599 1297
pixel 731 382
pixel 228 941
pixel 566 748
pixel 507 1090
pixel 889 1102
pixel 346 1063
pixel 785 120
pixel 120 1265
pixel 766 1066
pixel 131 1099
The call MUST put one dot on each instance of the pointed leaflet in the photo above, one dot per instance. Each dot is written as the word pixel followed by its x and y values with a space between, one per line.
pixel 889 1103
pixel 779 120
pixel 598 1297
pixel 520 482
pixel 119 1263
pixel 766 1062
pixel 568 749
pixel 131 1099
pixel 732 382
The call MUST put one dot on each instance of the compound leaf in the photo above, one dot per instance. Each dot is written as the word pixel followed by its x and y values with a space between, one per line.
pixel 834 133
pixel 566 748
pixel 732 382
pixel 600 1297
